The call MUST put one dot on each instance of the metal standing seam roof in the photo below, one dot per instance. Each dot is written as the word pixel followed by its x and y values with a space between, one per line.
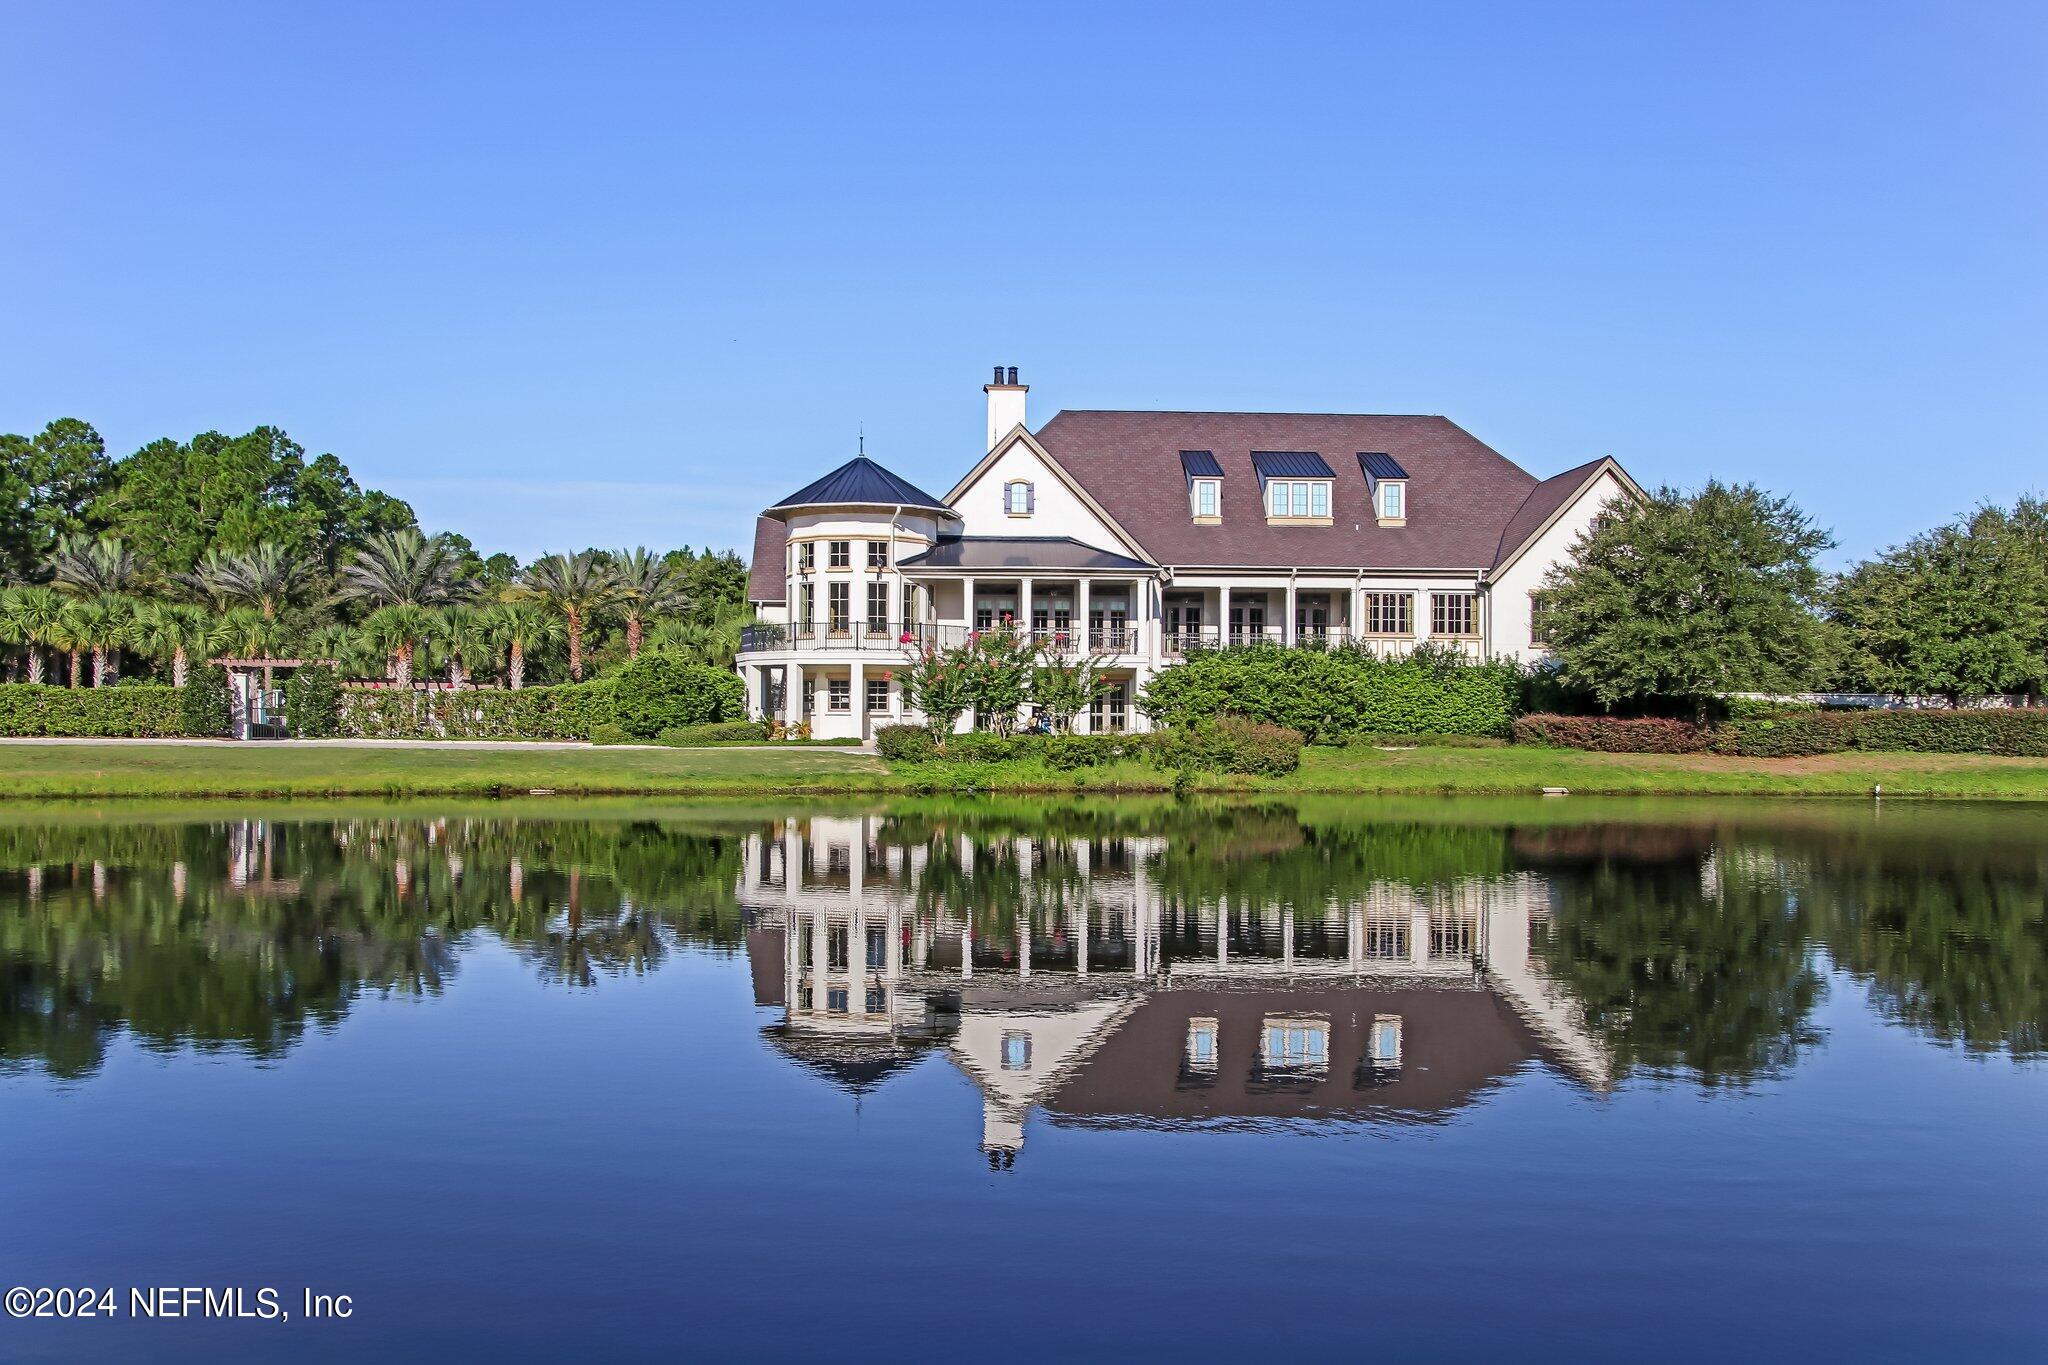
pixel 863 483
pixel 1291 464
pixel 1020 552
pixel 1200 464
pixel 1377 465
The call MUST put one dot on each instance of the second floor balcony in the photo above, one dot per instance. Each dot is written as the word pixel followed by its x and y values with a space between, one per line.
pixel 904 638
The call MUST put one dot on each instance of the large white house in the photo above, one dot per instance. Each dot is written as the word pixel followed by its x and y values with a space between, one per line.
pixel 1135 537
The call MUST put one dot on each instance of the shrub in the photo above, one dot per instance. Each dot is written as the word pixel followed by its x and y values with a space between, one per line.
pixel 570 711
pixel 657 692
pixel 1231 744
pixel 1613 734
pixel 608 733
pixel 145 711
pixel 2014 734
pixel 208 709
pixel 1785 734
pixel 719 732
pixel 906 744
pixel 1069 752
pixel 1331 695
pixel 979 746
pixel 312 702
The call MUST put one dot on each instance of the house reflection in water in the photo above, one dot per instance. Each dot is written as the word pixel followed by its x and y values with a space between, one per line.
pixel 1059 974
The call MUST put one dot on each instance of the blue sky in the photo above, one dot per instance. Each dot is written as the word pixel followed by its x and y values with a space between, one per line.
pixel 615 273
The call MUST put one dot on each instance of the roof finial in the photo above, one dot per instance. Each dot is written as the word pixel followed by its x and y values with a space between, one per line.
pixel 863 438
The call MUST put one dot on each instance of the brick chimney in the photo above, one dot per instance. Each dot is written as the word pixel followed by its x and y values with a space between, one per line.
pixel 1005 404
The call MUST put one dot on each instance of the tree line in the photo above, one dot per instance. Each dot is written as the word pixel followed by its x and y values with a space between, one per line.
pixel 241 546
pixel 1684 597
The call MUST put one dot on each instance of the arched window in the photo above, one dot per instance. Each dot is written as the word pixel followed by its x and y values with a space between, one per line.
pixel 1020 499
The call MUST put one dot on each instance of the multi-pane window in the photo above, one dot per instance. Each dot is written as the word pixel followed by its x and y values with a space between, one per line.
pixel 1453 613
pixel 1298 498
pixel 1110 712
pixel 878 554
pixel 838 601
pixel 878 606
pixel 1383 1043
pixel 807 555
pixel 839 694
pixel 1394 501
pixel 878 694
pixel 877 1001
pixel 1541 605
pixel 1201 1056
pixel 1019 498
pixel 1016 1051
pixel 841 554
pixel 1450 938
pixel 806 605
pixel 835 947
pixel 1389 613
pixel 878 947
pixel 1386 939
pixel 1207 497
pixel 1296 1044
pixel 835 1000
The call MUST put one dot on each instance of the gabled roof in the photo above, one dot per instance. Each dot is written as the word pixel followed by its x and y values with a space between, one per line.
pixel 860 482
pixel 1461 494
pixel 766 581
pixel 1546 500
pixel 1020 552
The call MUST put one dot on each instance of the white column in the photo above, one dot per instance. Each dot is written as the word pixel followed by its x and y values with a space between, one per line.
pixel 1222 932
pixel 821 946
pixel 1355 624
pixel 1223 614
pixel 857 684
pixel 1024 617
pixel 967 601
pixel 1418 932
pixel 792 694
pixel 1023 945
pixel 967 950
pixel 1081 939
pixel 1287 626
pixel 1287 938
pixel 1081 609
pixel 1354 938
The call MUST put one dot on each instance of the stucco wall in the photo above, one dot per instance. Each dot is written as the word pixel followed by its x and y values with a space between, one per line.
pixel 1508 595
pixel 1057 511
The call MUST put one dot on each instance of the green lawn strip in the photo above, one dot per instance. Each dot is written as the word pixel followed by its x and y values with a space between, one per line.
pixel 260 771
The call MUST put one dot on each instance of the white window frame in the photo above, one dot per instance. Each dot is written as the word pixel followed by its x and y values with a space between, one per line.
pixel 1210 489
pixel 1017 490
pixel 1394 500
pixel 1201 1058
pixel 1298 499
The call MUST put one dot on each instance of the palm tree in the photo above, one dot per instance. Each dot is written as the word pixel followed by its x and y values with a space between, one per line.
pixel 85 567
pixel 101 624
pixel 265 576
pixel 518 627
pixel 712 642
pixel 397 632
pixel 404 569
pixel 245 632
pixel 341 642
pixel 577 586
pixel 167 630
pixel 646 585
pixel 66 638
pixel 30 617
pixel 465 640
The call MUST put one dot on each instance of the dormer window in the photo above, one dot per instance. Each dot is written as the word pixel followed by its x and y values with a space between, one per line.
pixel 1020 499
pixel 1205 485
pixel 1389 485
pixel 1297 485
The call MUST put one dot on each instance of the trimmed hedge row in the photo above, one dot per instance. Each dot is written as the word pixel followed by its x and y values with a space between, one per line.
pixel 1802 733
pixel 143 711
pixel 1614 735
pixel 720 732
pixel 1333 695
pixel 658 692
pixel 1232 744
pixel 570 711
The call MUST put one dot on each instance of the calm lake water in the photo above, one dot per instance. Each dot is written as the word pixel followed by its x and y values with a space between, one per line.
pixel 1002 1080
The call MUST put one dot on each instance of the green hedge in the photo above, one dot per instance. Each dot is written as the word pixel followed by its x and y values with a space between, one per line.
pixel 1333 695
pixel 2016 734
pixel 719 732
pixel 1231 744
pixel 1786 734
pixel 906 743
pixel 142 711
pixel 658 692
pixel 1614 734
pixel 312 702
pixel 570 711
pixel 207 708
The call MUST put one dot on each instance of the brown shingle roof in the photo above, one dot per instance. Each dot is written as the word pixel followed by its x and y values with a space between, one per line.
pixel 766 581
pixel 1543 499
pixel 1461 493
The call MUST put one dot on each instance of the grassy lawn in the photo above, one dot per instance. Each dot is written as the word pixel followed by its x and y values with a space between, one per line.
pixel 264 770
pixel 141 769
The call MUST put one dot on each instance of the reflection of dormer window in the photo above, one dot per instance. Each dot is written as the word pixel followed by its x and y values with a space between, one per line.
pixel 1020 499
pixel 1201 1057
pixel 1295 1045
pixel 1384 1043
pixel 1016 1051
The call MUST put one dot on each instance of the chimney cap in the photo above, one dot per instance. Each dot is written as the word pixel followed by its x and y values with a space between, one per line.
pixel 1005 378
